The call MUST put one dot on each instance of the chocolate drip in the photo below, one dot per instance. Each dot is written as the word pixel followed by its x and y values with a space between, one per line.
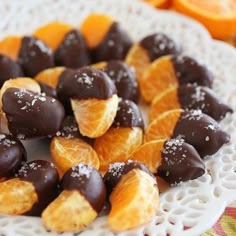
pixel 48 90
pixel 31 115
pixel 198 97
pixel 114 46
pixel 45 178
pixel 12 155
pixel 69 129
pixel 34 56
pixel 190 71
pixel 72 52
pixel 180 162
pixel 119 169
pixel 124 79
pixel 158 45
pixel 128 115
pixel 201 131
pixel 88 181
pixel 84 83
pixel 9 69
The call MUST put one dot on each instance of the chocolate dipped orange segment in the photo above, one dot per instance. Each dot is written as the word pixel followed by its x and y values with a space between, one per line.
pixel 134 198
pixel 82 197
pixel 124 136
pixel 10 46
pixel 95 27
pixel 189 97
pixel 9 69
pixel 163 126
pixel 68 152
pixel 93 94
pixel 53 33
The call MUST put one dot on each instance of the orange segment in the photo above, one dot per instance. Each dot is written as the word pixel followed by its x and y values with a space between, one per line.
pixel 150 154
pixel 117 145
pixel 10 46
pixel 163 126
pixel 138 58
pixel 134 201
pixel 53 33
pixel 99 65
pixel 97 117
pixel 95 27
pixel 163 4
pixel 163 102
pixel 158 77
pixel 219 16
pixel 67 153
pixel 50 76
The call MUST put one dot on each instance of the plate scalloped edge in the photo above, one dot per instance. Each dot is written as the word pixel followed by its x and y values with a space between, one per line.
pixel 186 210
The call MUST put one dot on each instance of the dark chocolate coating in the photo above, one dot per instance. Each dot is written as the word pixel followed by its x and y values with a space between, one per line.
pixel 12 155
pixel 180 162
pixel 158 45
pixel 45 178
pixel 114 46
pixel 198 97
pixel 128 115
pixel 34 56
pixel 84 83
pixel 48 90
pixel 88 181
pixel 9 69
pixel 72 52
pixel 189 71
pixel 201 131
pixel 119 169
pixel 31 115
pixel 69 129
pixel 124 79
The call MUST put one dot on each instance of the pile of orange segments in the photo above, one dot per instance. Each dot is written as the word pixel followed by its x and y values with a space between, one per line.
pixel 218 16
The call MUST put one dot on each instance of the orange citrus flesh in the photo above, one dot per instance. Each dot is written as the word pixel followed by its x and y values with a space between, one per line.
pixel 95 27
pixel 10 46
pixel 163 126
pixel 219 16
pixel 163 4
pixel 159 76
pixel 117 145
pixel 167 100
pixel 99 65
pixel 134 201
pixel 98 115
pixel 70 211
pixel 53 33
pixel 138 58
pixel 67 153
pixel 150 154
pixel 50 76
pixel 17 196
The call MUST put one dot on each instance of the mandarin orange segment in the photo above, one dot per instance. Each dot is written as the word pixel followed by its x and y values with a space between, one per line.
pixel 95 27
pixel 53 33
pixel 163 4
pixel 150 154
pixel 138 58
pixel 117 145
pixel 10 46
pixel 72 206
pixel 99 65
pixel 67 153
pixel 157 78
pixel 218 16
pixel 50 76
pixel 134 201
pixel 163 126
pixel 17 196
pixel 167 100
pixel 97 115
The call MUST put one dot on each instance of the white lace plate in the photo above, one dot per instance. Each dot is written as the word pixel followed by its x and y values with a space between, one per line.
pixel 196 204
